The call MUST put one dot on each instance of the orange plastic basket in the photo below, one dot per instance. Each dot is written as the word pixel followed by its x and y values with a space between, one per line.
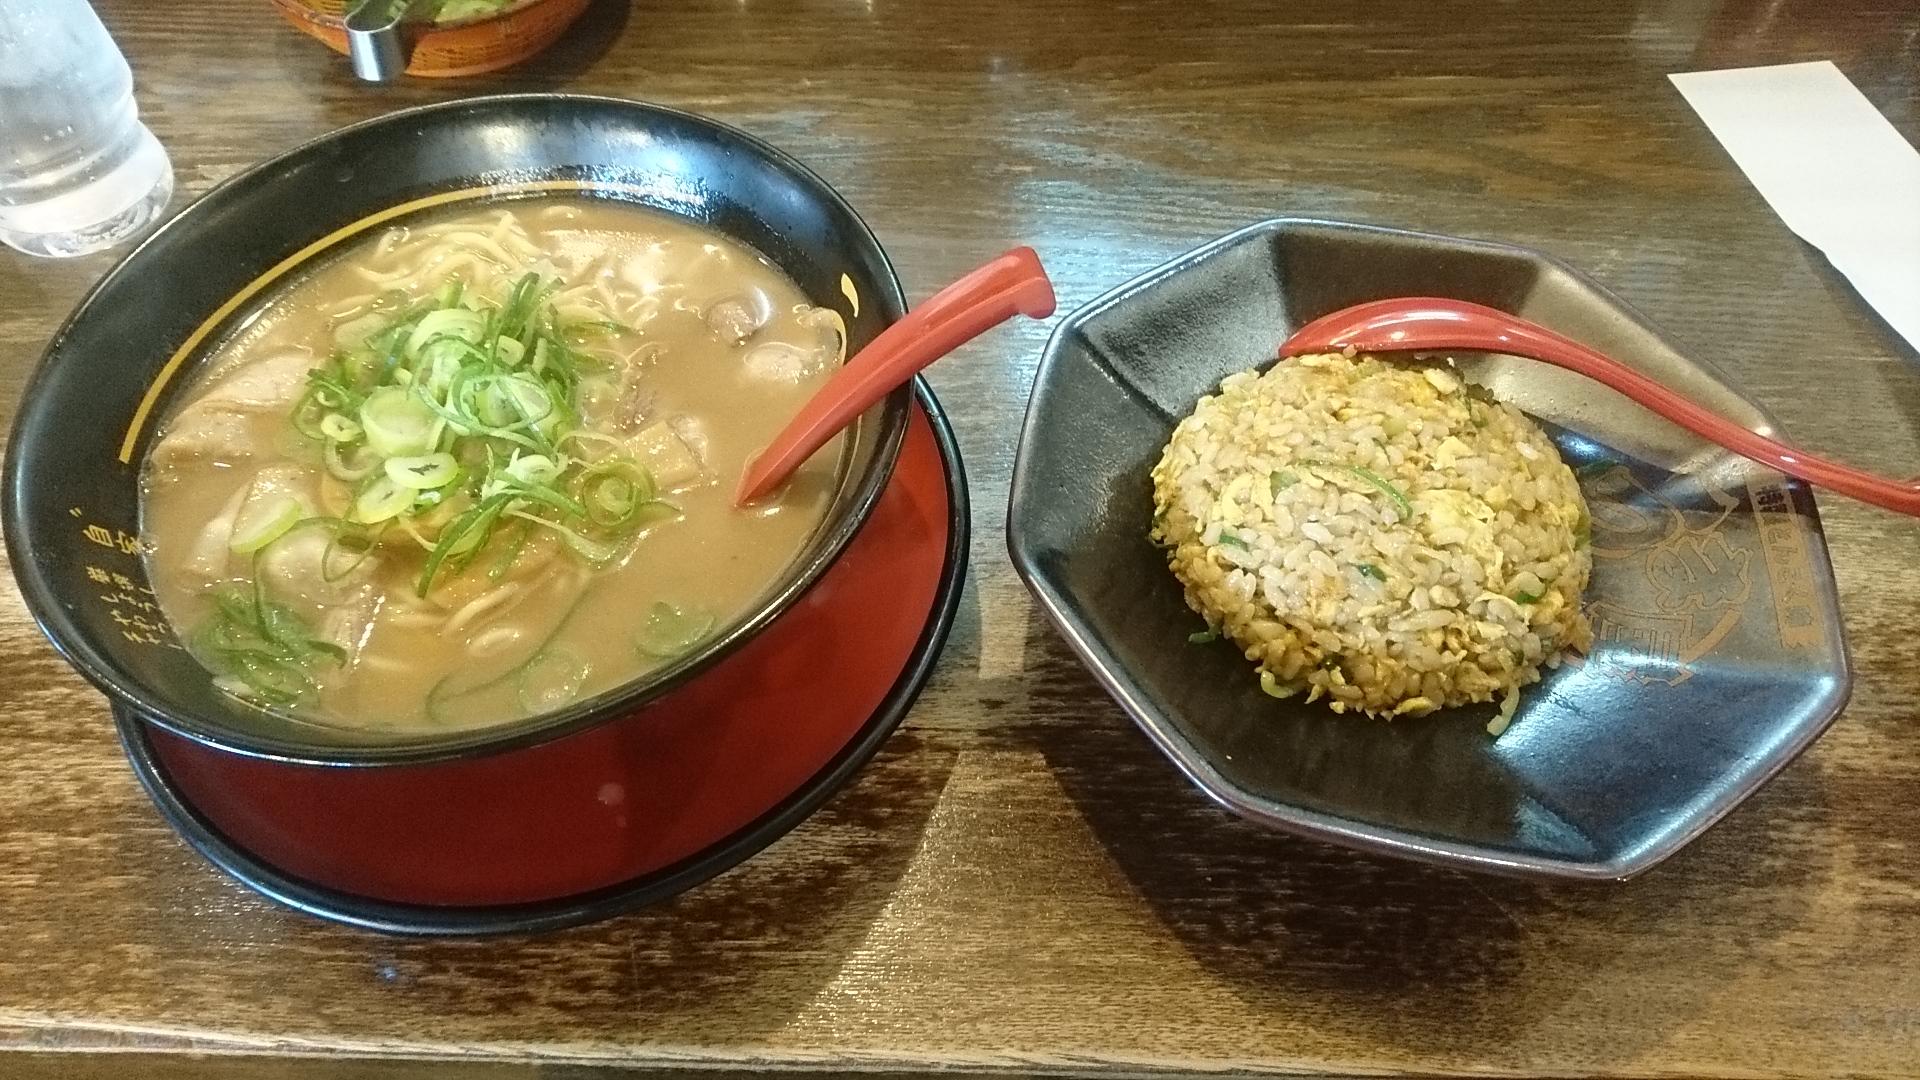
pixel 462 47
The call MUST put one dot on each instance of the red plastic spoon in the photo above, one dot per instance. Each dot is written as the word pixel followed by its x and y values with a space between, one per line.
pixel 1425 323
pixel 1013 284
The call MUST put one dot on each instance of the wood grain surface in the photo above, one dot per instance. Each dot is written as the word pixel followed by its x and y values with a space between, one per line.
pixel 1021 882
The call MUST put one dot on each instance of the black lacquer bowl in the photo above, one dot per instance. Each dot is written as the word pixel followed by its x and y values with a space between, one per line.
pixel 1718 654
pixel 122 359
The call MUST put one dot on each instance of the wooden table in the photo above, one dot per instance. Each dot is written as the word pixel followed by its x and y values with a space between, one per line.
pixel 1021 882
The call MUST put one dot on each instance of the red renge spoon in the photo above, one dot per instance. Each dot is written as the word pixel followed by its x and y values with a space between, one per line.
pixel 1425 323
pixel 1013 284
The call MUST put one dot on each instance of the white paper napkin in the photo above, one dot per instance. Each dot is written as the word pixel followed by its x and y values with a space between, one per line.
pixel 1831 166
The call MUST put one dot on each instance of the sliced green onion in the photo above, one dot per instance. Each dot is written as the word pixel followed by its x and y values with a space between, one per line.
pixel 615 495
pixel 655 510
pixel 338 428
pixel 453 322
pixel 512 551
pixel 1372 571
pixel 397 423
pixel 614 491
pixel 1202 637
pixel 353 467
pixel 551 679
pixel 466 533
pixel 549 496
pixel 269 678
pixel 440 367
pixel 561 419
pixel 1284 479
pixel 534 469
pixel 1526 598
pixel 266 522
pixel 1231 540
pixel 1400 500
pixel 589 435
pixel 423 471
pixel 598 326
pixel 334 385
pixel 671 631
pixel 451 413
pixel 259 650
pixel 486 514
pixel 363 367
pixel 523 303
pixel 280 625
pixel 310 411
pixel 383 498
pixel 349 542
pixel 528 398
pixel 491 405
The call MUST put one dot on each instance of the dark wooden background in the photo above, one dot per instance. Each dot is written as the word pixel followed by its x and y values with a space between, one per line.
pixel 1020 881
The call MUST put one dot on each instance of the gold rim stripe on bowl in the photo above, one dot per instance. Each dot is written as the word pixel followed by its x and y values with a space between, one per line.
pixel 280 269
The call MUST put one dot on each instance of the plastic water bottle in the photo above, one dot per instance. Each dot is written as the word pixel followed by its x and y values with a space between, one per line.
pixel 78 170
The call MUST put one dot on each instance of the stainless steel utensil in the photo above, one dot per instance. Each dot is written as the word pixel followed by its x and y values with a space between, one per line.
pixel 381 35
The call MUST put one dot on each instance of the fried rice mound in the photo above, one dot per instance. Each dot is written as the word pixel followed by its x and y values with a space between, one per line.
pixel 1376 533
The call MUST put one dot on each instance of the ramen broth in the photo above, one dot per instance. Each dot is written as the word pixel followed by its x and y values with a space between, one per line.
pixel 481 467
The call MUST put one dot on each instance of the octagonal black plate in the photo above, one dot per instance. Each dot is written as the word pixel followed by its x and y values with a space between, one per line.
pixel 1719 653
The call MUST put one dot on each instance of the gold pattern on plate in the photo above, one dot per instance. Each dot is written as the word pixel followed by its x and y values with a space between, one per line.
pixel 1697 581
pixel 1796 610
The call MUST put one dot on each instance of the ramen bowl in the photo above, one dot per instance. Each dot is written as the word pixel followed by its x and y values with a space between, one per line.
pixel 703 759
pixel 470 46
pixel 1718 650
